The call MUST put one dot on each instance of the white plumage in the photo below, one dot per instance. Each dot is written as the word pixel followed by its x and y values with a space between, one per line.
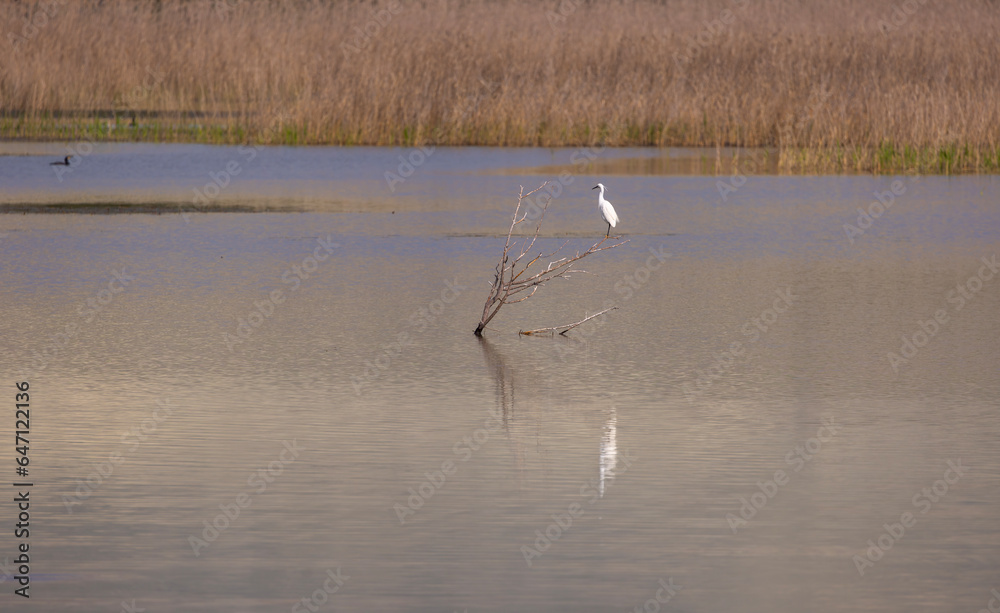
pixel 607 211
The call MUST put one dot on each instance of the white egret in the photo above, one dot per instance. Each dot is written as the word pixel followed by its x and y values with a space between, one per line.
pixel 607 211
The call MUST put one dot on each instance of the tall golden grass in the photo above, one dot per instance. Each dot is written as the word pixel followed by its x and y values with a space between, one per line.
pixel 849 84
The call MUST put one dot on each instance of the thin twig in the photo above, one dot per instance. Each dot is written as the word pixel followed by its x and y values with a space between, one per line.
pixel 569 327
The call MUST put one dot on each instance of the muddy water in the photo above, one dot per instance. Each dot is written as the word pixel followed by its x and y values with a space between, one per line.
pixel 238 411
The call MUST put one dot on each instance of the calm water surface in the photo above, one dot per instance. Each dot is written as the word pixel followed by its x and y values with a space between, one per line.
pixel 736 428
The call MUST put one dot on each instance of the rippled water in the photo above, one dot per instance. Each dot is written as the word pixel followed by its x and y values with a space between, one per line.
pixel 355 423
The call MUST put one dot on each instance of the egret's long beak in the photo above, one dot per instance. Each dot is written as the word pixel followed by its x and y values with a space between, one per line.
pixel 595 187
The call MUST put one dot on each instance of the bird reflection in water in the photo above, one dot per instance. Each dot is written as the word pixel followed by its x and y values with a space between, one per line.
pixel 609 450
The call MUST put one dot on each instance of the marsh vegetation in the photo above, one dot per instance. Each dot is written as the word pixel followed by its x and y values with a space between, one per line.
pixel 833 86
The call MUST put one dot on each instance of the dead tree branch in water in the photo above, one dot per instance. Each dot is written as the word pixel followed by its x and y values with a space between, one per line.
pixel 565 328
pixel 512 278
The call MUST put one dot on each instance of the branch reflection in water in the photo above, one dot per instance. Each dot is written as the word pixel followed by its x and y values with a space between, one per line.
pixel 519 430
pixel 503 376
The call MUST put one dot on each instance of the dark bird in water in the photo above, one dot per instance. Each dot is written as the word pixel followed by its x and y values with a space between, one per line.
pixel 65 162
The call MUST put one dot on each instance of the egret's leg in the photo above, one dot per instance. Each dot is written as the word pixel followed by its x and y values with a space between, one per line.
pixel 608 232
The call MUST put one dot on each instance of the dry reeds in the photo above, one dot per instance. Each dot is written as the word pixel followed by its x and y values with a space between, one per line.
pixel 850 84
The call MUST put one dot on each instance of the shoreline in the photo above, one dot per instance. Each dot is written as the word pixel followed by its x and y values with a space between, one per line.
pixel 887 159
pixel 833 86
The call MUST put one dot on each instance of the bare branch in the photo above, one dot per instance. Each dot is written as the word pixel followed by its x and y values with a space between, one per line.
pixel 507 276
pixel 569 327
pixel 526 297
